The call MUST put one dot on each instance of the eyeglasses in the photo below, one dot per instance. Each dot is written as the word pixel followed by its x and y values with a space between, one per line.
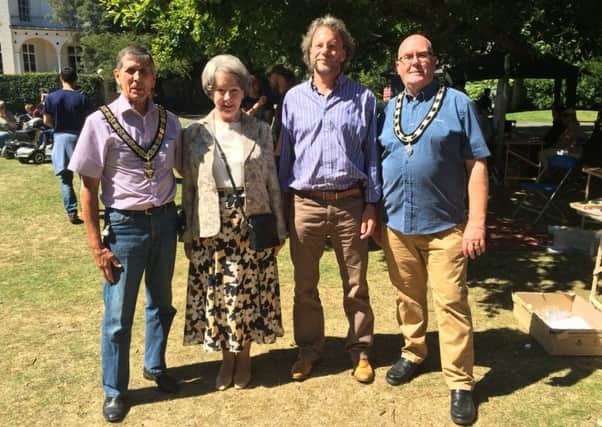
pixel 421 56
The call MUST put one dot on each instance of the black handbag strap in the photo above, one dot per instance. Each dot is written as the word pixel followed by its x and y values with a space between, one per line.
pixel 228 171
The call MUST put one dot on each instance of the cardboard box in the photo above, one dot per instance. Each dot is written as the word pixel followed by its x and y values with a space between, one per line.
pixel 564 324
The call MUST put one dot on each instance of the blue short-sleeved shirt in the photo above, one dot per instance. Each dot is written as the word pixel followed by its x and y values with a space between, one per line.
pixel 68 109
pixel 426 192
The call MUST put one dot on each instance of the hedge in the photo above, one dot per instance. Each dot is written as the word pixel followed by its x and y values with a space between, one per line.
pixel 19 89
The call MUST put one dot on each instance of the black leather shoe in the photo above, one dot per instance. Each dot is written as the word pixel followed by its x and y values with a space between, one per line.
pixel 114 409
pixel 74 219
pixel 463 411
pixel 164 381
pixel 401 372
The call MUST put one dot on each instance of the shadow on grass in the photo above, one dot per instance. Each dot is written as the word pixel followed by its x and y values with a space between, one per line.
pixel 514 360
pixel 499 274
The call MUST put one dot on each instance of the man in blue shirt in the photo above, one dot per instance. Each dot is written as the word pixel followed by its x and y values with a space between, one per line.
pixel 433 160
pixel 65 110
pixel 329 176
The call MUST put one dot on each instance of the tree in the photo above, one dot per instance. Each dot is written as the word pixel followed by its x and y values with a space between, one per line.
pixel 268 31
pixel 88 16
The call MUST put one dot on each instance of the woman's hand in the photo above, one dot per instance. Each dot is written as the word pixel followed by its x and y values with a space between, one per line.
pixel 277 248
pixel 188 250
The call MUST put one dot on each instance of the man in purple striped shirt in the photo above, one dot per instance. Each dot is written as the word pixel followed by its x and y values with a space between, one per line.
pixel 330 178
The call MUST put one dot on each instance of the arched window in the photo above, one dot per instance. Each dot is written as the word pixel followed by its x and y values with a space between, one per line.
pixel 29 58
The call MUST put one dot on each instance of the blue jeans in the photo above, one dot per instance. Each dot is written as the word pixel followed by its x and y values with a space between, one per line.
pixel 143 244
pixel 69 199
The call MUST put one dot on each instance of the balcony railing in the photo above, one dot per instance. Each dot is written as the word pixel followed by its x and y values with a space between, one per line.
pixel 38 22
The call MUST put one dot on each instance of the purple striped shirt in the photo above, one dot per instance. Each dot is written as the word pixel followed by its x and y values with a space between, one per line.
pixel 101 153
pixel 329 142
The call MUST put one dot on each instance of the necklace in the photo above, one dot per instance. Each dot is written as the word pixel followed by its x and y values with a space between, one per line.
pixel 409 139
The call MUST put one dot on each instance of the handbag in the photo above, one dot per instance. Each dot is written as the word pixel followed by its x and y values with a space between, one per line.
pixel 263 230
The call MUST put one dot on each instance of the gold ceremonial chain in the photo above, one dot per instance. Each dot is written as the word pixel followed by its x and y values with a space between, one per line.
pixel 151 152
pixel 409 139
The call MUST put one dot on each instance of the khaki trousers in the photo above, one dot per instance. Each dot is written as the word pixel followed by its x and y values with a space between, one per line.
pixel 311 222
pixel 414 260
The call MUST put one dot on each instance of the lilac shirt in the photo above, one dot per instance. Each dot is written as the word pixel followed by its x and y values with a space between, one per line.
pixel 329 142
pixel 100 153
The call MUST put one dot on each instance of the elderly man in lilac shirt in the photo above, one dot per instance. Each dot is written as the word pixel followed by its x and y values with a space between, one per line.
pixel 129 150
pixel 330 179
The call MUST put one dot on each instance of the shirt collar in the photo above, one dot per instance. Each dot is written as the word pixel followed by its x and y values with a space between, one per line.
pixel 339 82
pixel 124 105
pixel 427 92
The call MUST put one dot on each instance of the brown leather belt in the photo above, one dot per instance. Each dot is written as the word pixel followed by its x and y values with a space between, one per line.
pixel 330 195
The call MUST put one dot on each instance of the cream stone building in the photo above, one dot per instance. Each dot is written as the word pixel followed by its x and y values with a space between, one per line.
pixel 31 41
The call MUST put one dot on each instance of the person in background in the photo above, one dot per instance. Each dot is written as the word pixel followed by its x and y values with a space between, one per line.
pixel 37 111
pixel 433 163
pixel 233 290
pixel 255 102
pixel 7 123
pixel 484 102
pixel 281 80
pixel 570 140
pixel 65 110
pixel 330 180
pixel 139 236
pixel 552 135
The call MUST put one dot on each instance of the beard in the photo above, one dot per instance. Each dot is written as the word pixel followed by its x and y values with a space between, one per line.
pixel 324 67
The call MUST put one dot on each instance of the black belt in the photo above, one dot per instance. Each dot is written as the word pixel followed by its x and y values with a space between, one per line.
pixel 148 211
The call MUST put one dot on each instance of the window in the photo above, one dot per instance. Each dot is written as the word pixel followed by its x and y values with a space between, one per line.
pixel 74 55
pixel 24 14
pixel 29 58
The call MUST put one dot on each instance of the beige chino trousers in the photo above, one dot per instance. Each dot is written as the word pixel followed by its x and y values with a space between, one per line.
pixel 414 260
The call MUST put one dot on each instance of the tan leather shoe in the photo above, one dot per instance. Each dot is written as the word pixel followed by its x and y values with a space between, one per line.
pixel 302 368
pixel 363 372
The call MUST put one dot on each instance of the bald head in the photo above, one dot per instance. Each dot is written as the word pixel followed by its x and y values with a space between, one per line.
pixel 416 63
pixel 414 39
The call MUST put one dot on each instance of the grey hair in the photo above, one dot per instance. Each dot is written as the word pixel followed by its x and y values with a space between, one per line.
pixel 335 25
pixel 138 52
pixel 226 64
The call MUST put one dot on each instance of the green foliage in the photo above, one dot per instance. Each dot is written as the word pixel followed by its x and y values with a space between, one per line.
pixel 87 15
pixel 540 93
pixel 100 50
pixel 589 88
pixel 475 89
pixel 19 89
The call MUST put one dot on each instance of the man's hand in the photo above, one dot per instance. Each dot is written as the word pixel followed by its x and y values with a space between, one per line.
pixel 368 221
pixel 473 241
pixel 105 260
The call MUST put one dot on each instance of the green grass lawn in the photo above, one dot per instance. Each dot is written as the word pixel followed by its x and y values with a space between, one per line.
pixel 545 116
pixel 51 308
